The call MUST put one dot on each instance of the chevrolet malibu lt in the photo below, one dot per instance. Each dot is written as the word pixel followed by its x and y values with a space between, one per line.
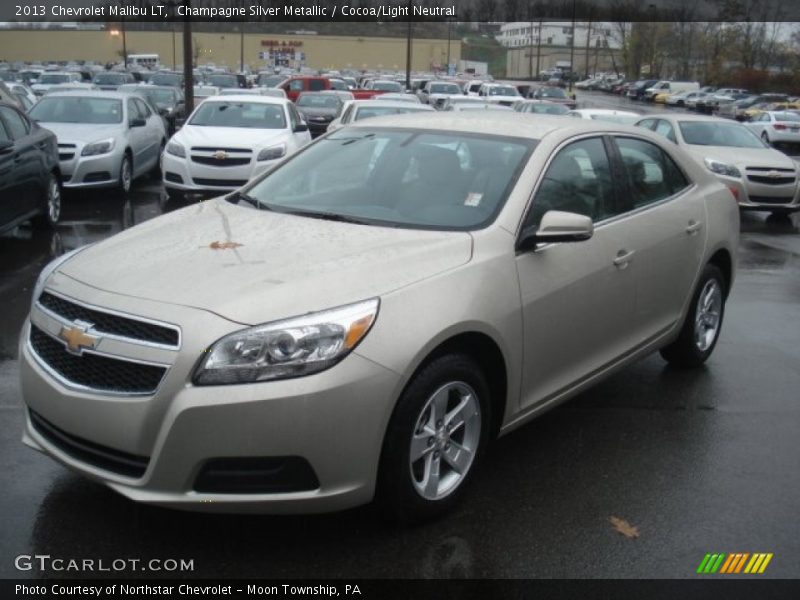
pixel 362 320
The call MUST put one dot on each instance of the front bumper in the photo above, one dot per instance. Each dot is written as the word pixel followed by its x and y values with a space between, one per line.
pixel 185 175
pixel 763 197
pixel 88 171
pixel 334 420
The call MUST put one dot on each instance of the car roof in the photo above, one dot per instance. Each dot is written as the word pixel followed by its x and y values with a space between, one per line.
pixel 94 94
pixel 495 123
pixel 390 104
pixel 687 117
pixel 252 98
pixel 607 111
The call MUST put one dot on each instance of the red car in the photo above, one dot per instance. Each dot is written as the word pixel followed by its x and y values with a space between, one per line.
pixel 294 86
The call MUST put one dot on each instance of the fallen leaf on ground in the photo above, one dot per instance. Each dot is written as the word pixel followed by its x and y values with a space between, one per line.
pixel 223 245
pixel 623 527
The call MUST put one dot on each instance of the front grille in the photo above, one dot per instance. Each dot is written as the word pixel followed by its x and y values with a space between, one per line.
pixel 217 149
pixel 96 455
pixel 770 180
pixel 66 156
pixel 216 162
pixel 66 151
pixel 100 373
pixel 107 323
pixel 231 183
pixel 778 169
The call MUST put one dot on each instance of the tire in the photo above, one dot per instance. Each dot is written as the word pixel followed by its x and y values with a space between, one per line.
pixel 764 137
pixel 700 331
pixel 124 181
pixel 447 436
pixel 51 212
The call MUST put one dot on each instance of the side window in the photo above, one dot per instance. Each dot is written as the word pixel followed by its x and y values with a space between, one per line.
pixel 294 119
pixel 578 180
pixel 665 128
pixel 296 85
pixel 133 111
pixel 647 123
pixel 347 114
pixel 652 175
pixel 4 137
pixel 15 122
pixel 143 109
pixel 316 85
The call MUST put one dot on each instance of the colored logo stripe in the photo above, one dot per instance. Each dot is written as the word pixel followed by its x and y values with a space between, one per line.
pixel 734 563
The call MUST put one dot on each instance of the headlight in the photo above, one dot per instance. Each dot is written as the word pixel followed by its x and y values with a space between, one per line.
pixel 721 168
pixel 101 147
pixel 290 348
pixel 272 153
pixel 176 149
pixel 51 268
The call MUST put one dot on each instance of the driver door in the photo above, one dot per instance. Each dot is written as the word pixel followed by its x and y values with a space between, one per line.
pixel 577 298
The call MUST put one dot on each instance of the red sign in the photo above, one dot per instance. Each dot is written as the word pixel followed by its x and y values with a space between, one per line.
pixel 289 44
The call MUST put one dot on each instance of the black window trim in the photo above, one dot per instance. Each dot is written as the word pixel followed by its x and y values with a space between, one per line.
pixel 4 122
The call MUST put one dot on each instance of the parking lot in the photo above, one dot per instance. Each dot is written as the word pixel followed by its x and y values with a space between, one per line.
pixel 699 461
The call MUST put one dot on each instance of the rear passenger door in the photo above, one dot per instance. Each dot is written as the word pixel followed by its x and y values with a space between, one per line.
pixel 577 298
pixel 22 163
pixel 666 229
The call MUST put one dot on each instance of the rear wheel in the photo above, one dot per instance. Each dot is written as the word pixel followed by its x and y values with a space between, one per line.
pixel 701 329
pixel 155 173
pixel 52 204
pixel 437 433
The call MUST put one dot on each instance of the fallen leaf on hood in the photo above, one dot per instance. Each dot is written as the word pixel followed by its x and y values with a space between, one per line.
pixel 223 245
pixel 623 527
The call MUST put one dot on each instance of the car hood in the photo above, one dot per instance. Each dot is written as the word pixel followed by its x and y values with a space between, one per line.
pixel 216 137
pixel 743 157
pixel 82 132
pixel 254 266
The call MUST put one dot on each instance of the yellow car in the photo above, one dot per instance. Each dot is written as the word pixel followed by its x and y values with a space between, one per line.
pixel 662 97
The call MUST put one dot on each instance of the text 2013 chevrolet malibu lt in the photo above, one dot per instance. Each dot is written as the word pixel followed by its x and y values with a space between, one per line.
pixel 363 319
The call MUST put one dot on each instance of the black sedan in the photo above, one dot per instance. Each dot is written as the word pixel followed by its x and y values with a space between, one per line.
pixel 29 177
pixel 319 109
pixel 166 100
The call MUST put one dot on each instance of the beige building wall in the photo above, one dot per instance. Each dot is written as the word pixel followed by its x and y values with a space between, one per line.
pixel 521 62
pixel 224 48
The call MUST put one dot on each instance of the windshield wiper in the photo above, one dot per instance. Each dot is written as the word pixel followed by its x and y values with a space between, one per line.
pixel 328 216
pixel 238 196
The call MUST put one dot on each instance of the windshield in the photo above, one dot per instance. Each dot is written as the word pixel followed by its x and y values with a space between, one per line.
pixel 53 78
pixel 112 78
pixel 786 116
pixel 318 101
pixel 709 133
pixel 503 91
pixel 387 86
pixel 405 178
pixel 77 109
pixel 553 93
pixel 366 112
pixel 160 97
pixel 444 88
pixel 251 115
pixel 546 109
pixel 270 80
pixel 166 79
pixel 222 81
pixel 624 119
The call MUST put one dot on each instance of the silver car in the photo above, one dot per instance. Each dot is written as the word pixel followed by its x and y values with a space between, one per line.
pixel 365 318
pixel 105 139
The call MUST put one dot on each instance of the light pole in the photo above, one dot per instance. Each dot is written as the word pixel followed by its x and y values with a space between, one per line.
pixel 408 51
pixel 188 63
pixel 241 43
pixel 124 46
pixel 449 24
pixel 572 47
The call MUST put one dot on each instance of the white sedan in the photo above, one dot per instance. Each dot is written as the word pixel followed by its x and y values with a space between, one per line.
pixel 358 110
pixel 228 140
pixel 776 127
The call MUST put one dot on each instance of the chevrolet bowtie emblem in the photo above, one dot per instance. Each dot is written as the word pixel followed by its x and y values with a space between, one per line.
pixel 77 339
pixel 220 155
pixel 773 174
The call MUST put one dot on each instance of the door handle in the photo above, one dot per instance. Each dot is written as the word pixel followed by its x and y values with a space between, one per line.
pixel 693 227
pixel 623 258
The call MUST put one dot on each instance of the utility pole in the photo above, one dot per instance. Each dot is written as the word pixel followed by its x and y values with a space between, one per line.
pixel 188 62
pixel 124 46
pixel 572 48
pixel 241 42
pixel 449 25
pixel 408 50
pixel 530 52
pixel 539 50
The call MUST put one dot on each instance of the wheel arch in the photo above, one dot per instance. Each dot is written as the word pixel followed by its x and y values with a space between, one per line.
pixel 723 261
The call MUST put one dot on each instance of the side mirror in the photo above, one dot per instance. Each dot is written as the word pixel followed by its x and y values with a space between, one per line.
pixel 139 122
pixel 300 128
pixel 6 146
pixel 557 226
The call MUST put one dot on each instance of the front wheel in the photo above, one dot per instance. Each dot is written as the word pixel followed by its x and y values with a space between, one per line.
pixel 125 175
pixel 437 433
pixel 701 329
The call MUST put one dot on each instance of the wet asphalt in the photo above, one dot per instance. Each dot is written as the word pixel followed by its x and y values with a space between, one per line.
pixel 699 461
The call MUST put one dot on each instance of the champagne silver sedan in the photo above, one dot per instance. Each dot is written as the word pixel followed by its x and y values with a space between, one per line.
pixel 365 318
